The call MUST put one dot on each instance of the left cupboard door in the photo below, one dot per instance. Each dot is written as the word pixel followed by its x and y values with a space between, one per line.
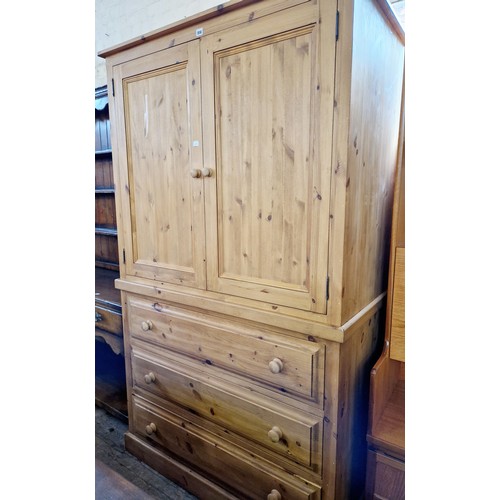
pixel 159 154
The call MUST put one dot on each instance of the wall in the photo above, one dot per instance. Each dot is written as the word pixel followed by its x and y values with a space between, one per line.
pixel 117 21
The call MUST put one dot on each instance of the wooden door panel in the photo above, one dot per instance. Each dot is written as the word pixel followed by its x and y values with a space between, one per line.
pixel 272 238
pixel 162 132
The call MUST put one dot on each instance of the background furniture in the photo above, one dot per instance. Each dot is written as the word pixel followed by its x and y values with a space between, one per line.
pixel 386 434
pixel 254 150
pixel 109 364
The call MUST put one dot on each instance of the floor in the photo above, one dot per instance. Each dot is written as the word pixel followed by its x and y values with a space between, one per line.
pixel 119 475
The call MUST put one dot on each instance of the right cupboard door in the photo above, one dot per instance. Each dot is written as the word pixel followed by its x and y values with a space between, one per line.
pixel 268 198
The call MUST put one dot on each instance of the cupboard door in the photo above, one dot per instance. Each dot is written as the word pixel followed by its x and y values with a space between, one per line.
pixel 267 220
pixel 159 131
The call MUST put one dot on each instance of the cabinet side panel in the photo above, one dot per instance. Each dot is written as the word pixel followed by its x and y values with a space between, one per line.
pixel 357 356
pixel 377 77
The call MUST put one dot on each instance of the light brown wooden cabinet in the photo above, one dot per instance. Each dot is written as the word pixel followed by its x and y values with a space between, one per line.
pixel 254 157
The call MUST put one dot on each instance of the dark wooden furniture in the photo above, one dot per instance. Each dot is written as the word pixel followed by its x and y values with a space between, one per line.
pixel 386 433
pixel 109 363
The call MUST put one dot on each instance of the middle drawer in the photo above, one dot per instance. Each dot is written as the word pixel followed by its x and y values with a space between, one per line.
pixel 286 431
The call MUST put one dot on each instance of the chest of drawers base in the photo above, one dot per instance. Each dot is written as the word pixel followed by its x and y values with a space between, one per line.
pixel 217 403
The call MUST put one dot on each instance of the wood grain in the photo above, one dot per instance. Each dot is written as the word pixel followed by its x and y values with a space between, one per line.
pixel 397 350
pixel 264 312
pixel 377 83
pixel 161 134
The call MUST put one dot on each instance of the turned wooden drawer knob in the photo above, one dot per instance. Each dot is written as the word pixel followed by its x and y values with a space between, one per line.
pixel 147 325
pixel 150 428
pixel 275 434
pixel 274 495
pixel 195 172
pixel 150 377
pixel 276 365
pixel 207 172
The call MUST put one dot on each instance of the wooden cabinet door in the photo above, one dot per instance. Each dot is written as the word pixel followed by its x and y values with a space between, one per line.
pixel 268 200
pixel 159 133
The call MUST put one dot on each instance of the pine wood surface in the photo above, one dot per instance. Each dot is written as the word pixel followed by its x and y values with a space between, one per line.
pixel 260 207
pixel 249 415
pixel 397 351
pixel 254 174
pixel 372 156
pixel 388 431
pixel 236 347
pixel 197 446
pixel 164 206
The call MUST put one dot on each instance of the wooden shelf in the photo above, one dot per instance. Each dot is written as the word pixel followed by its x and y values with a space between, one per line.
pixel 103 152
pixel 105 191
pixel 388 433
pixel 105 286
pixel 105 231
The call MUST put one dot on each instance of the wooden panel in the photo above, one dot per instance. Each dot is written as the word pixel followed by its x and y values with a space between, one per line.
pixel 239 470
pixel 384 377
pixel 376 91
pixel 102 132
pixel 108 319
pixel 232 408
pixel 263 159
pixel 106 249
pixel 357 355
pixel 388 432
pixel 104 173
pixel 270 196
pixel 397 349
pixel 165 211
pixel 247 351
pixel 105 287
pixel 385 477
pixel 105 210
pixel 399 236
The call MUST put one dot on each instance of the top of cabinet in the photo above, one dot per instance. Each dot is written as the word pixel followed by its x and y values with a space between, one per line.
pixel 187 22
pixel 255 8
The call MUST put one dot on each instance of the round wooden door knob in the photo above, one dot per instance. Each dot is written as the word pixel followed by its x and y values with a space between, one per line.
pixel 150 377
pixel 274 495
pixel 150 428
pixel 275 434
pixel 276 365
pixel 195 173
pixel 147 325
pixel 207 172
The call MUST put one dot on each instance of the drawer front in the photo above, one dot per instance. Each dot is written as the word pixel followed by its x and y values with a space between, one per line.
pixel 287 364
pixel 385 477
pixel 108 319
pixel 288 432
pixel 241 472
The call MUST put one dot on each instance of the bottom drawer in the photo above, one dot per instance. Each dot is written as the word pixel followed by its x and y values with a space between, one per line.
pixel 385 477
pixel 225 463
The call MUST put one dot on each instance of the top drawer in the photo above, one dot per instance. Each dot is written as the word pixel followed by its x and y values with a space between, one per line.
pixel 287 364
